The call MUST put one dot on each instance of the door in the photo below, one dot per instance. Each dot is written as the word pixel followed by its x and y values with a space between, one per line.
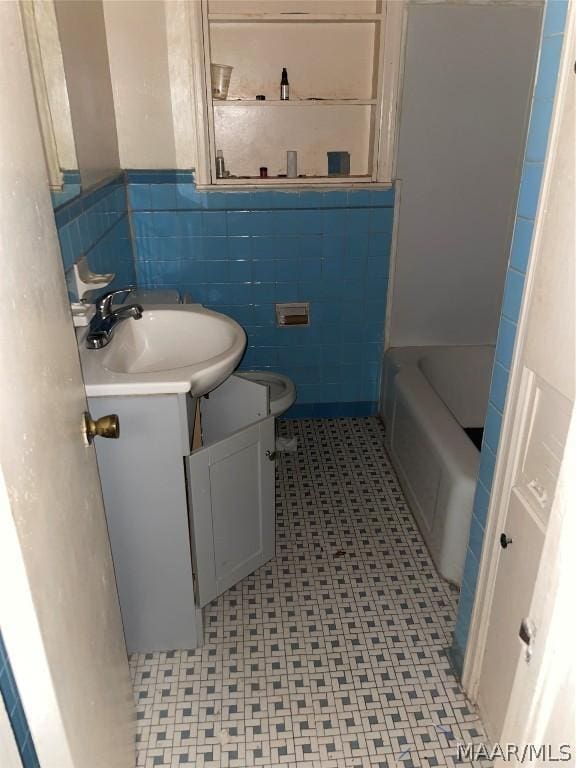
pixel 535 433
pixel 231 486
pixel 542 709
pixel 546 415
pixel 58 605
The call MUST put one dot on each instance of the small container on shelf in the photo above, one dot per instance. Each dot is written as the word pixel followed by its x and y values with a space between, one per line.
pixel 220 74
pixel 338 163
pixel 220 166
pixel 284 86
pixel 291 164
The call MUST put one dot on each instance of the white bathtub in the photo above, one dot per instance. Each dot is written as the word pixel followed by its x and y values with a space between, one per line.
pixel 429 395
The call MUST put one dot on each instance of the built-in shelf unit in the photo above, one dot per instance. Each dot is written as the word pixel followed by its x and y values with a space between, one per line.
pixel 343 62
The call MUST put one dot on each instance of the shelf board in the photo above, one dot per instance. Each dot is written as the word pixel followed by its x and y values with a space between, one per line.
pixel 295 17
pixel 277 181
pixel 293 103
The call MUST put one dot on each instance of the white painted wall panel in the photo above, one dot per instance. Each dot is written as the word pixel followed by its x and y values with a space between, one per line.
pixel 467 84
pixel 138 53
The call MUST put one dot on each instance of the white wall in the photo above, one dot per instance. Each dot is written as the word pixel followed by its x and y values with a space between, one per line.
pixel 467 84
pixel 85 55
pixel 138 54
pixel 151 74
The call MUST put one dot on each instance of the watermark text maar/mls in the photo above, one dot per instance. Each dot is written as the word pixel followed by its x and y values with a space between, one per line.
pixel 522 753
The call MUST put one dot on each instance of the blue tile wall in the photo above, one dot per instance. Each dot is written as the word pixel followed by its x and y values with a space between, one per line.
pixel 96 224
pixel 13 704
pixel 71 188
pixel 241 252
pixel 540 117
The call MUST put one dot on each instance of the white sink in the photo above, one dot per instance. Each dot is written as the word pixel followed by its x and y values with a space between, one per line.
pixel 170 349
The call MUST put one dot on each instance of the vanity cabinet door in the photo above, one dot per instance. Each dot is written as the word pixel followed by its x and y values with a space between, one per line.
pixel 232 406
pixel 231 494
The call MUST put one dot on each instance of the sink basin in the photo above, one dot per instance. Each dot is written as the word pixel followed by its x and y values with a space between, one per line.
pixel 184 349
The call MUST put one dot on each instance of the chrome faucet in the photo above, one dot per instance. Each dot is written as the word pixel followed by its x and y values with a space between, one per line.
pixel 106 319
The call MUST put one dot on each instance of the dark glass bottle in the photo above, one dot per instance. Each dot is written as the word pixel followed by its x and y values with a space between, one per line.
pixel 284 86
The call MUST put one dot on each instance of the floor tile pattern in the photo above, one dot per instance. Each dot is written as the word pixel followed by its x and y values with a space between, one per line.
pixel 333 655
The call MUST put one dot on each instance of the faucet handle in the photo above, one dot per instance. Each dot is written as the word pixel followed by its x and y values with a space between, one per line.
pixel 104 303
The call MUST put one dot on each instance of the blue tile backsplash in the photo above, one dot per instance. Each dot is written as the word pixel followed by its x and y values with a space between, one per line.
pixel 15 710
pixel 96 225
pixel 540 118
pixel 71 188
pixel 242 252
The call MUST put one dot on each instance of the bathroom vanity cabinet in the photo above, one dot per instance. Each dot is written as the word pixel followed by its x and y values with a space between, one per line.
pixel 185 525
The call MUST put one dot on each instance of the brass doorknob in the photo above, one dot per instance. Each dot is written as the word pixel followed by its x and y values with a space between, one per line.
pixel 105 426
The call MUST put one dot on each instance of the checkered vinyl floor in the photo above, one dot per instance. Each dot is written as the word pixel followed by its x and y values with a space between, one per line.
pixel 333 655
